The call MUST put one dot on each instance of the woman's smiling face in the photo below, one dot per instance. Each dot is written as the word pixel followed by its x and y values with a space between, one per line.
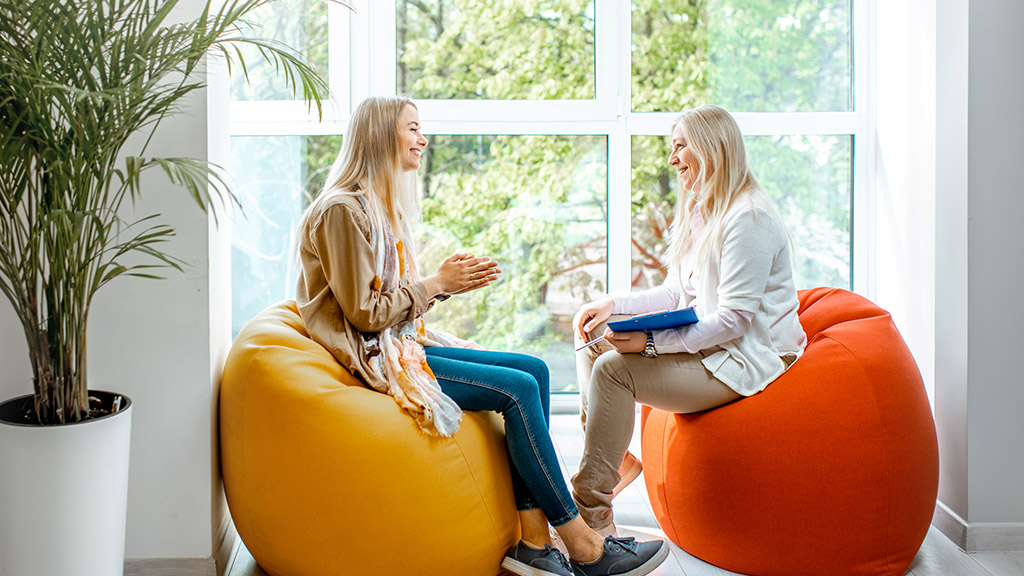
pixel 411 141
pixel 684 160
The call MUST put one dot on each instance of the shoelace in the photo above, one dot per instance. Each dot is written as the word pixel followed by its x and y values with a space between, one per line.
pixel 627 544
pixel 562 560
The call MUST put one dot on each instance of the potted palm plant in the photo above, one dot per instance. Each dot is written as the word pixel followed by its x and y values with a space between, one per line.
pixel 79 80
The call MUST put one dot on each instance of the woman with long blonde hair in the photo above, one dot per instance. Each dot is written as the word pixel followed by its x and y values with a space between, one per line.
pixel 729 259
pixel 361 296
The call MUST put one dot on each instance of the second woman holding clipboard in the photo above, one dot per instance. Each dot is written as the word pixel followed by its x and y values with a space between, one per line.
pixel 729 258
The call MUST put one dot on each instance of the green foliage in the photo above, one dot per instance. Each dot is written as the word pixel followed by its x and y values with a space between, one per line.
pixel 542 217
pixel 505 49
pixel 669 54
pixel 756 56
pixel 809 179
pixel 78 79
pixel 669 70
pixel 780 55
pixel 652 200
pixel 534 203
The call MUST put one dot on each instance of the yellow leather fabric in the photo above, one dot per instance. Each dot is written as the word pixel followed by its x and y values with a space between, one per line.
pixel 325 476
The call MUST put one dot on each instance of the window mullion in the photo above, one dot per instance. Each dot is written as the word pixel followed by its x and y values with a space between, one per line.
pixel 864 151
pixel 620 168
pixel 339 56
pixel 759 123
pixel 382 48
pixel 359 34
pixel 512 127
pixel 619 210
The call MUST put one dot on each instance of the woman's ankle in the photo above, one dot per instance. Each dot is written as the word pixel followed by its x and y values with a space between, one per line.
pixel 534 526
pixel 582 542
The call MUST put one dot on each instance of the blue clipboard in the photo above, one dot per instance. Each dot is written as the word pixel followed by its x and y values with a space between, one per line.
pixel 657 321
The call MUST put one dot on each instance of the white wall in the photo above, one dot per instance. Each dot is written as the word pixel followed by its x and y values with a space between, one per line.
pixel 161 343
pixel 979 203
pixel 994 153
pixel 948 204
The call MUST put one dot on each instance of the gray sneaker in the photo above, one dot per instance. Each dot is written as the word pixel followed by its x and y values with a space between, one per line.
pixel 526 561
pixel 625 557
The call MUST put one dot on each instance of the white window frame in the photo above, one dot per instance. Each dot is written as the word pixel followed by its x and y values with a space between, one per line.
pixel 362 63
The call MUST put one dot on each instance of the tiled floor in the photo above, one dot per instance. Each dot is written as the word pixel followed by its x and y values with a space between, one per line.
pixel 938 555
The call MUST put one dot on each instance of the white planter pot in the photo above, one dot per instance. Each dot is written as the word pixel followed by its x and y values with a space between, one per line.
pixel 63 496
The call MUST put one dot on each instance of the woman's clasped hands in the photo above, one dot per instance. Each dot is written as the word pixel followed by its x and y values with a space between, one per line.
pixel 461 273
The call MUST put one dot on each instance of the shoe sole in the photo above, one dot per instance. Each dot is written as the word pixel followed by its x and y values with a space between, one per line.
pixel 651 564
pixel 516 567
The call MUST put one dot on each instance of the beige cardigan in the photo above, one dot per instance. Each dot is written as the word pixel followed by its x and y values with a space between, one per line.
pixel 335 292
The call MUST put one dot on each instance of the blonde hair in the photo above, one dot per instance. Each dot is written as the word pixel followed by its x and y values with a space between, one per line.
pixel 713 136
pixel 370 162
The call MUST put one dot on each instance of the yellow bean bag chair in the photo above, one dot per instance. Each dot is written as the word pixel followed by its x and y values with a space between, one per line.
pixel 325 476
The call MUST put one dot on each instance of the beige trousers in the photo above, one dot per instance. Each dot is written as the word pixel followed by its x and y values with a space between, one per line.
pixel 610 386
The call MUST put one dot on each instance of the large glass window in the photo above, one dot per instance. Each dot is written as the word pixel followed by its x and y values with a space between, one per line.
pixel 275 177
pixel 301 24
pixel 470 49
pixel 808 178
pixel 548 124
pixel 543 220
pixel 744 55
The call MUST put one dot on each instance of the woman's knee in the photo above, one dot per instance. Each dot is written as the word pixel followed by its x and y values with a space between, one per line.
pixel 608 370
pixel 539 370
pixel 523 387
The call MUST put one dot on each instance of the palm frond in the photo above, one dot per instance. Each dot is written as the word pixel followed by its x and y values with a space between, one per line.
pixel 79 80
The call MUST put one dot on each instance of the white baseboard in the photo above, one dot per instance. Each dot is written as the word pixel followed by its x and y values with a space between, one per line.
pixel 565 403
pixel 216 565
pixel 170 567
pixel 978 536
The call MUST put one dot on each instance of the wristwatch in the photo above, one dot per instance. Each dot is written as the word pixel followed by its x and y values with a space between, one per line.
pixel 649 350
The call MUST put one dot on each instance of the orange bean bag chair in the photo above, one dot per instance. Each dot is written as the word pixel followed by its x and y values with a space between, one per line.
pixel 833 469
pixel 325 476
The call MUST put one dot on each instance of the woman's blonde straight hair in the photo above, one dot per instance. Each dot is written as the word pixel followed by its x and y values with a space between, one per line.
pixel 715 139
pixel 370 161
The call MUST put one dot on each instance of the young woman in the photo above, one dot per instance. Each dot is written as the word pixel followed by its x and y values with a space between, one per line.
pixel 729 258
pixel 361 296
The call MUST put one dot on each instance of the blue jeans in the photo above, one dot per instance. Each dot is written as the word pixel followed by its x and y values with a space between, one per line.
pixel 516 386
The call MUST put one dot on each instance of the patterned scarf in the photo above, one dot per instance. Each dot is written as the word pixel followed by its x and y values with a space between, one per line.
pixel 396 353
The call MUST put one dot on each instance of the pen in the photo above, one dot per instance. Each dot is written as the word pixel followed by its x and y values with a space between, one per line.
pixel 594 341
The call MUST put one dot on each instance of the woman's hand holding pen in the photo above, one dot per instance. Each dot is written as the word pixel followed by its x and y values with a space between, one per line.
pixel 461 273
pixel 592 314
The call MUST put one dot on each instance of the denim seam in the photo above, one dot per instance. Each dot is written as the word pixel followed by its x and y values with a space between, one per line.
pixel 533 444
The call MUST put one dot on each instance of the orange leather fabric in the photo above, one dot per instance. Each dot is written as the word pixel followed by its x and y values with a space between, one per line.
pixel 833 469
